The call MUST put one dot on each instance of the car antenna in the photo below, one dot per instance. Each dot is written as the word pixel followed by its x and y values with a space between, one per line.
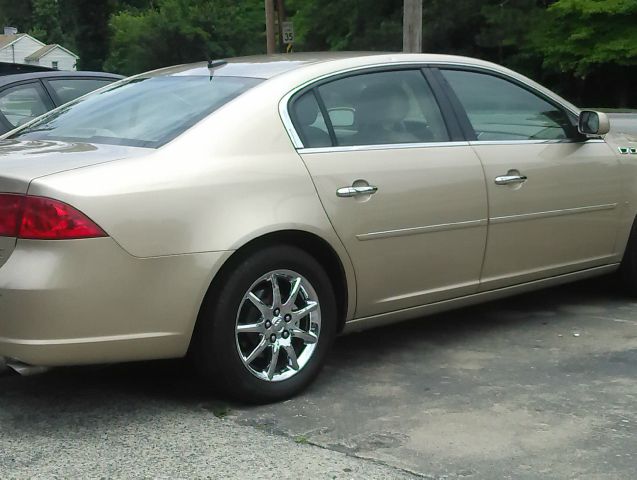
pixel 212 64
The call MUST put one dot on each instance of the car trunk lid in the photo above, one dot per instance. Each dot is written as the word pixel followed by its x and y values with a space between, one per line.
pixel 23 161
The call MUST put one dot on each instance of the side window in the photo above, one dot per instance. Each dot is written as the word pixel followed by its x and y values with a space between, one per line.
pixel 383 108
pixel 23 103
pixel 68 89
pixel 309 122
pixel 501 110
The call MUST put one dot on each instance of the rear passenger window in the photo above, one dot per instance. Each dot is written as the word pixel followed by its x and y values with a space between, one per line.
pixel 23 103
pixel 383 108
pixel 68 89
pixel 309 122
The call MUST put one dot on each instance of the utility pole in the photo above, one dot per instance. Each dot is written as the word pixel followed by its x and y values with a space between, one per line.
pixel 280 11
pixel 412 26
pixel 269 27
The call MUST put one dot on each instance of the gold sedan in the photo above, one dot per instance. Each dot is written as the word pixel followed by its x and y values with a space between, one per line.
pixel 245 212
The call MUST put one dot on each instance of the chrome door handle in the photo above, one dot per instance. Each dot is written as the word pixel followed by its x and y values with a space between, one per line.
pixel 355 191
pixel 510 179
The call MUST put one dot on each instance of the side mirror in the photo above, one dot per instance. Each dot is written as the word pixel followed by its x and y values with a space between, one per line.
pixel 341 117
pixel 593 123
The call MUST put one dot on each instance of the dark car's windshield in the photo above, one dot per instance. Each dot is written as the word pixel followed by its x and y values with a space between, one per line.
pixel 142 112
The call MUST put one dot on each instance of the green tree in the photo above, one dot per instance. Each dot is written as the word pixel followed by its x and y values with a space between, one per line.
pixel 46 17
pixel 351 25
pixel 88 25
pixel 452 27
pixel 178 31
pixel 506 26
pixel 587 38
pixel 16 14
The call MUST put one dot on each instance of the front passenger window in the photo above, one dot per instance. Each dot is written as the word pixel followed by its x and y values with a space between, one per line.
pixel 501 110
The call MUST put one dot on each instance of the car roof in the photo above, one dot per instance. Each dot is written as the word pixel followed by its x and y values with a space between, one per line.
pixel 268 66
pixel 258 66
pixel 18 77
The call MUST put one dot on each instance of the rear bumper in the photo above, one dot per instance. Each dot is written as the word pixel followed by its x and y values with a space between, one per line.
pixel 88 301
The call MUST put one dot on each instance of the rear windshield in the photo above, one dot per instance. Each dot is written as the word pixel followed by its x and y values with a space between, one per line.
pixel 141 112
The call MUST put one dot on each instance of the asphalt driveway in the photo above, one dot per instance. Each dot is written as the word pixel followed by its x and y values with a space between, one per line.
pixel 623 123
pixel 542 386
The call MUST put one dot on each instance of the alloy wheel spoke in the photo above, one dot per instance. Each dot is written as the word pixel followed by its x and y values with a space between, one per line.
pixel 257 351
pixel 276 293
pixel 307 337
pixel 279 332
pixel 274 360
pixel 262 307
pixel 294 292
pixel 251 328
pixel 303 312
pixel 289 350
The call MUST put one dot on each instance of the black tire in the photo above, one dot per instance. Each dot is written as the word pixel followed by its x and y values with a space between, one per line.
pixel 628 268
pixel 214 349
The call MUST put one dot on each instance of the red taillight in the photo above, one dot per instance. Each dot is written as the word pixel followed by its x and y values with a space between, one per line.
pixel 10 214
pixel 40 218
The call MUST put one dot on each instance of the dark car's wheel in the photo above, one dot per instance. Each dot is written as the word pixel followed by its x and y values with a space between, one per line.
pixel 628 268
pixel 264 334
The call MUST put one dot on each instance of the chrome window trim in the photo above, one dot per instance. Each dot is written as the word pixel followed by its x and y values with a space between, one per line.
pixel 296 139
pixel 525 142
pixel 386 146
pixel 400 146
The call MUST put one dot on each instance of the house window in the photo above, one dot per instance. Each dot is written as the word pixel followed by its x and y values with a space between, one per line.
pixel 54 65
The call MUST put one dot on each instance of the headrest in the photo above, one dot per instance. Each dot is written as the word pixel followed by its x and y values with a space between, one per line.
pixel 379 97
pixel 306 109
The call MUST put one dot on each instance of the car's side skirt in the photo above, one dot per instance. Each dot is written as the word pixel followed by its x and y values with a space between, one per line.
pixel 359 324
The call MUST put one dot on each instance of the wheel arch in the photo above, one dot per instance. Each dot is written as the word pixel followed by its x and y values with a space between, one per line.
pixel 311 243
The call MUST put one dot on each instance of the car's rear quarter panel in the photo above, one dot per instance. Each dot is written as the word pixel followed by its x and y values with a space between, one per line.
pixel 229 180
pixel 88 301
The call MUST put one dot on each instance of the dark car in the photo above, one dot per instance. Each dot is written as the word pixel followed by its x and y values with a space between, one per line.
pixel 25 96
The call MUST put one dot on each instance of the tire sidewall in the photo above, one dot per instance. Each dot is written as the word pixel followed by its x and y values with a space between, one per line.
pixel 218 355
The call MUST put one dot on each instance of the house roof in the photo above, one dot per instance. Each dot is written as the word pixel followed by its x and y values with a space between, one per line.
pixel 38 54
pixel 6 40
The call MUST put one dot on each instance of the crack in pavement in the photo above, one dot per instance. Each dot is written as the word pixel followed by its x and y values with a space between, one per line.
pixel 270 428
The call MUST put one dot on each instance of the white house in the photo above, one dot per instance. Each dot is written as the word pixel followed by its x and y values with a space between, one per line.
pixel 23 48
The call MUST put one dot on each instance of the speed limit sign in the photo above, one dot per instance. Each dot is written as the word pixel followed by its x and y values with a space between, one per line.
pixel 287 30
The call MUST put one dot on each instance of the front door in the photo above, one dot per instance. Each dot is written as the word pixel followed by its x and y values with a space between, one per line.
pixel 408 204
pixel 554 198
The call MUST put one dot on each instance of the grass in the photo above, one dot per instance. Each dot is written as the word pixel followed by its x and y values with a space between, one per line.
pixel 219 410
pixel 301 440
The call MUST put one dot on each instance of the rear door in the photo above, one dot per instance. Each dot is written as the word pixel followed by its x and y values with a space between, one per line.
pixel 554 197
pixel 406 197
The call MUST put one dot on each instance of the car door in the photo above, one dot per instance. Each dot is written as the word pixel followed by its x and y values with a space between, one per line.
pixel 65 89
pixel 20 103
pixel 554 196
pixel 407 201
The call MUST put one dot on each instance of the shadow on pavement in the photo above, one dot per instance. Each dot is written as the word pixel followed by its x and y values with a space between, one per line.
pixel 173 381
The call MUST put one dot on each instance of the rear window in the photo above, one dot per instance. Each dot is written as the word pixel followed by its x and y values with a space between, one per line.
pixel 68 89
pixel 141 112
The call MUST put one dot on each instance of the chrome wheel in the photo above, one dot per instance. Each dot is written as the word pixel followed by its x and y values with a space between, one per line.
pixel 278 325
